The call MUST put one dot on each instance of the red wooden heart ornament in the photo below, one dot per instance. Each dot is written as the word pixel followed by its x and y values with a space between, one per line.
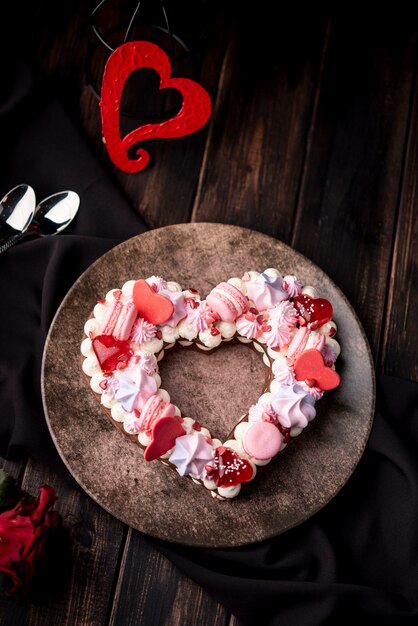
pixel 310 366
pixel 152 307
pixel 314 311
pixel 194 113
pixel 111 353
pixel 163 438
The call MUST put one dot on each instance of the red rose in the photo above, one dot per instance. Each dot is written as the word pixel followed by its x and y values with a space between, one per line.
pixel 23 531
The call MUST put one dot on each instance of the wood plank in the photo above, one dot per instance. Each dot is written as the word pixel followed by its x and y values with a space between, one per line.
pixel 347 207
pixel 146 575
pixel 79 592
pixel 164 192
pixel 255 155
pixel 400 338
pixel 13 468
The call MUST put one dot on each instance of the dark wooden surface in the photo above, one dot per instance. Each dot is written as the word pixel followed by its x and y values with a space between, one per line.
pixel 313 140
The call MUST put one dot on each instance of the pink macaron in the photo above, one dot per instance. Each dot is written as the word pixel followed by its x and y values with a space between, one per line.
pixel 227 301
pixel 262 440
pixel 154 409
pixel 304 339
pixel 119 319
pixel 298 343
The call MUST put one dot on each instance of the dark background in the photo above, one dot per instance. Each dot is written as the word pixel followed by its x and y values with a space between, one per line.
pixel 313 140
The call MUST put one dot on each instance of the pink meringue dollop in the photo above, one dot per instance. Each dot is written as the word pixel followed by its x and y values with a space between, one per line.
pixel 256 413
pixel 199 315
pixel 262 413
pixel 142 331
pixel 179 302
pixel 284 314
pixel 329 354
pixel 276 336
pixel 191 454
pixel 294 406
pixel 135 387
pixel 157 283
pixel 315 392
pixel 145 360
pixel 266 291
pixel 292 285
pixel 282 372
pixel 248 325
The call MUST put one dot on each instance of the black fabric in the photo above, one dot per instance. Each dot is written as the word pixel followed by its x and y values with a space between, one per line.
pixel 357 558
pixel 41 147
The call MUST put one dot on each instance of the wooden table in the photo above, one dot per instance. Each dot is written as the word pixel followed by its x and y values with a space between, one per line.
pixel 313 140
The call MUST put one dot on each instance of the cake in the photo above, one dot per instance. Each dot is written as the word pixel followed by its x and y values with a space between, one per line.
pixel 287 323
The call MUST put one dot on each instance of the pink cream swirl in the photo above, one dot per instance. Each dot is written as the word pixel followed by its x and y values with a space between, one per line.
pixel 257 413
pixel 199 314
pixel 292 285
pixel 277 336
pixel 248 325
pixel 282 372
pixel 329 354
pixel 262 413
pixel 283 314
pixel 143 331
pixel 294 406
pixel 145 360
pixel 157 283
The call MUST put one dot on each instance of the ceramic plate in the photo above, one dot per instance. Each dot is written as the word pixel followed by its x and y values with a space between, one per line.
pixel 215 389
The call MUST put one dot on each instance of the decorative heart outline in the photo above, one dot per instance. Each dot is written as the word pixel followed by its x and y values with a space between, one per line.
pixel 269 356
pixel 193 115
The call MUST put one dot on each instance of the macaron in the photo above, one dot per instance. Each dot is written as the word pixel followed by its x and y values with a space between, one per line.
pixel 153 410
pixel 119 320
pixel 227 301
pixel 304 339
pixel 298 343
pixel 262 440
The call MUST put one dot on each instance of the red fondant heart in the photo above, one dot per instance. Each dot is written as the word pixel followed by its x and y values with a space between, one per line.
pixel 229 469
pixel 194 113
pixel 310 366
pixel 152 307
pixel 111 353
pixel 314 311
pixel 163 438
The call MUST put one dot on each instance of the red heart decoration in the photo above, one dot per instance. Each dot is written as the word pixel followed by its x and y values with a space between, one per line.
pixel 111 353
pixel 152 307
pixel 194 113
pixel 310 366
pixel 314 311
pixel 229 469
pixel 163 438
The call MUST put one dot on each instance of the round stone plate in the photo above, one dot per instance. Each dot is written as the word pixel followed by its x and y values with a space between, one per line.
pixel 215 389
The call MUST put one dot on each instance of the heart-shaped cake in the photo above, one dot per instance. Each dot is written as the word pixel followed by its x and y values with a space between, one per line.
pixel 129 331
